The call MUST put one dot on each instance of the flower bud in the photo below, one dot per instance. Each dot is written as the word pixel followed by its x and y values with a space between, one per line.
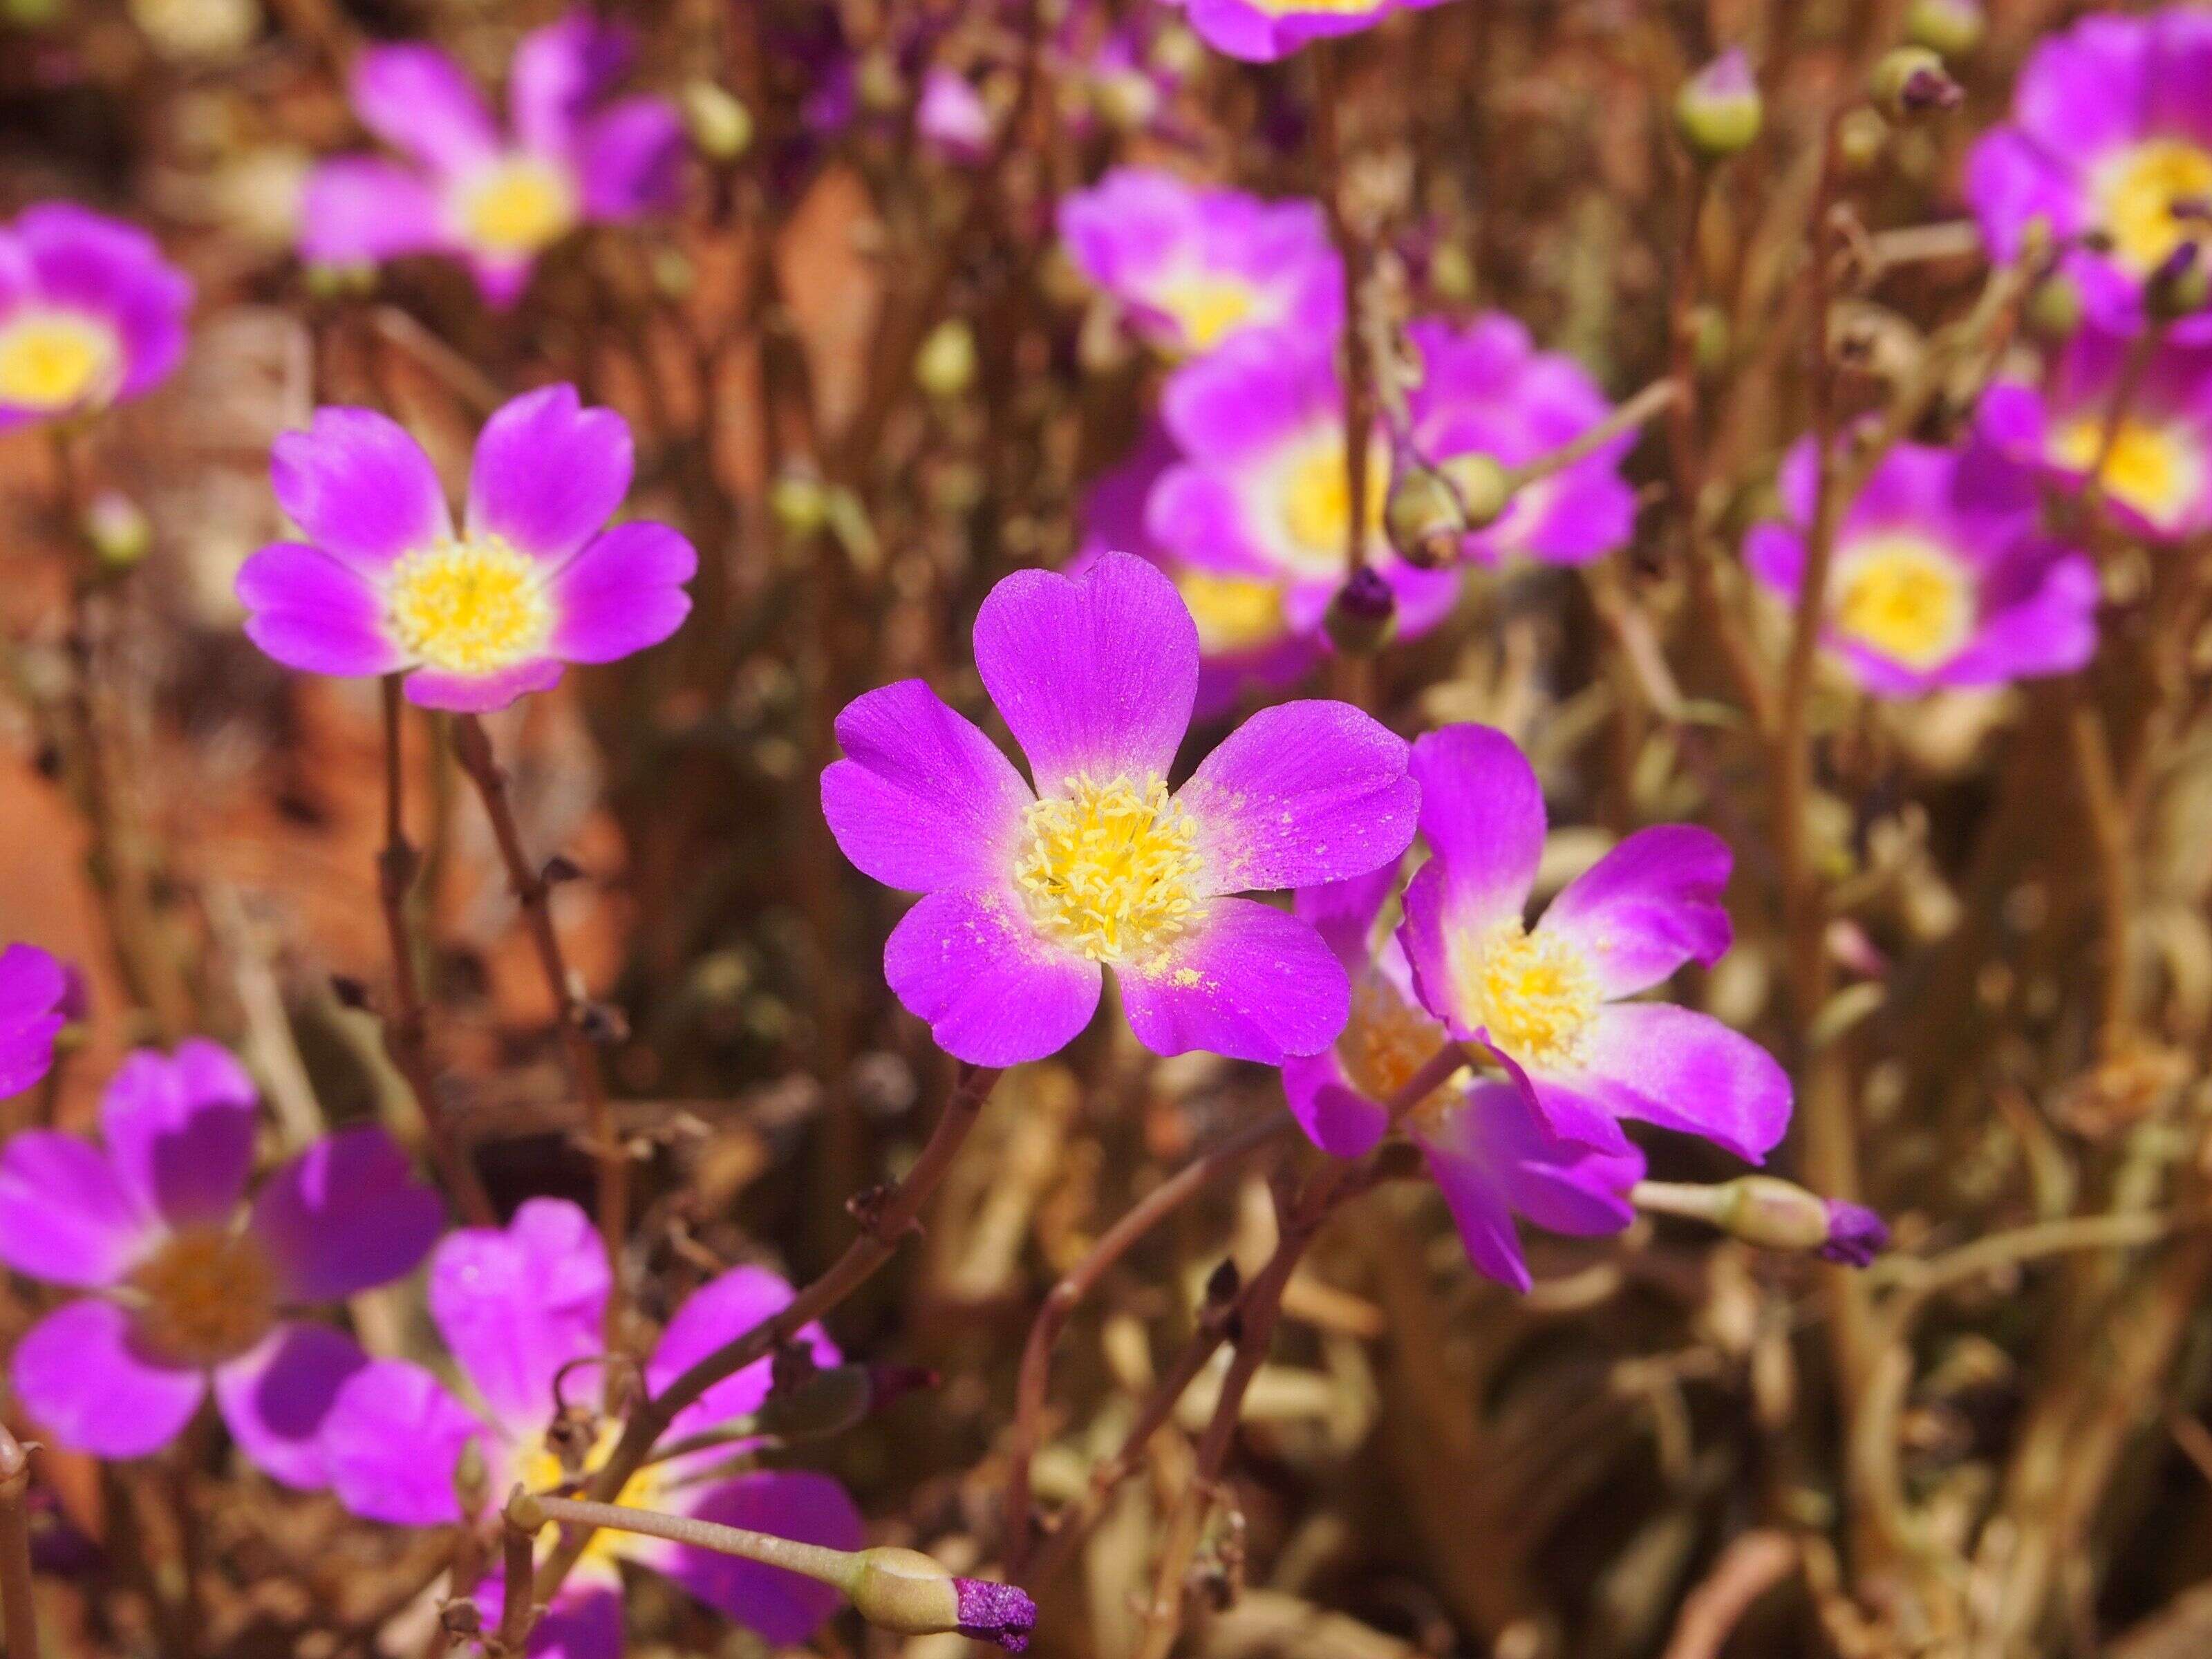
pixel 1717 112
pixel 1486 487
pixel 1711 341
pixel 2180 285
pixel 1861 137
pixel 1362 615
pixel 800 503
pixel 946 365
pixel 720 126
pixel 2053 311
pixel 471 1482
pixel 1952 27
pixel 1421 516
pixel 1910 82
pixel 909 1593
pixel 1772 1213
pixel 117 529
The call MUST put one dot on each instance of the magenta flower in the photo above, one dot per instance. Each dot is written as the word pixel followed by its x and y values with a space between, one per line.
pixel 536 579
pixel 1490 1154
pixel 1941 575
pixel 1030 894
pixel 1262 31
pixel 34 988
pixel 1547 1000
pixel 190 1290
pixel 516 1307
pixel 496 199
pixel 1194 267
pixel 90 314
pixel 2111 136
pixel 1486 391
pixel 2157 476
pixel 950 115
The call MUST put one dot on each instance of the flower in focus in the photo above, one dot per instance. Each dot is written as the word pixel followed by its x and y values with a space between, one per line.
pixel 2158 473
pixel 1941 575
pixel 189 1291
pixel 518 1306
pixel 1547 1000
pixel 1486 391
pixel 1490 1153
pixel 536 579
pixel 1262 31
pixel 1030 894
pixel 1194 267
pixel 34 988
pixel 90 314
pixel 497 199
pixel 2111 138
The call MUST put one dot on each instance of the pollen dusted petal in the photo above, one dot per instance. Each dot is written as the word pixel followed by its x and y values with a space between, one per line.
pixel 1647 906
pixel 1252 982
pixel 993 991
pixel 1684 1071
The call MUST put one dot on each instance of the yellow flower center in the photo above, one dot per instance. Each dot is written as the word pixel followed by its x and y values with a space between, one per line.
pixel 1233 613
pixel 518 206
pixel 1207 308
pixel 541 1470
pixel 1316 501
pixel 2154 199
pixel 1535 993
pixel 1336 8
pixel 207 1294
pixel 1386 1041
pixel 1906 599
pixel 469 606
pixel 1110 869
pixel 2150 468
pixel 51 360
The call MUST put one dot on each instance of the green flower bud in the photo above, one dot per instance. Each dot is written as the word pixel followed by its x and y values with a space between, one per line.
pixel 800 503
pixel 720 126
pixel 1486 487
pixel 946 365
pixel 1954 27
pixel 117 529
pixel 2053 311
pixel 1718 112
pixel 1422 517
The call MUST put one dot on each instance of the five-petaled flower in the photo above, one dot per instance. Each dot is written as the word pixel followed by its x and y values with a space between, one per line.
pixel 535 580
pixel 90 314
pixel 2111 141
pixel 1492 1155
pixel 1194 267
pixel 518 1309
pixel 1941 573
pixel 1547 1000
pixel 1030 894
pixel 2157 461
pixel 32 988
pixel 188 1289
pixel 496 199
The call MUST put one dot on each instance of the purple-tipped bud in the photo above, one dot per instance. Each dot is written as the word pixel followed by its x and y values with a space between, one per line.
pixel 1855 1235
pixel 1364 614
pixel 995 1613
pixel 1911 81
pixel 1718 110
pixel 889 1382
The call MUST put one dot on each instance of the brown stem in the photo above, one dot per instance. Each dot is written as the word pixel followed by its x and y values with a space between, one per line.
pixel 472 749
pixel 18 1612
pixel 1077 1283
pixel 2112 831
pixel 517 1604
pixel 887 1216
pixel 406 1033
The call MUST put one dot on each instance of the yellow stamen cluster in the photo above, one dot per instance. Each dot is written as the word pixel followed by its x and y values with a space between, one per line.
pixel 1906 599
pixel 469 606
pixel 1333 7
pixel 206 1295
pixel 1110 869
pixel 1535 993
pixel 1386 1041
pixel 53 361
pixel 2153 200
pixel 1233 613
pixel 1207 308
pixel 518 206
pixel 1317 501
pixel 2150 468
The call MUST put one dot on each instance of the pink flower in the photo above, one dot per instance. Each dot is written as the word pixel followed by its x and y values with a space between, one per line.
pixel 90 314
pixel 496 198
pixel 1489 1152
pixel 536 579
pixel 1260 31
pixel 1032 892
pixel 516 1307
pixel 34 991
pixel 184 1294
pixel 1550 1001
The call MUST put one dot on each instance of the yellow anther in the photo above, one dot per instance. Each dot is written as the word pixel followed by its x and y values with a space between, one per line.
pixel 469 606
pixel 1906 599
pixel 51 360
pixel 1110 869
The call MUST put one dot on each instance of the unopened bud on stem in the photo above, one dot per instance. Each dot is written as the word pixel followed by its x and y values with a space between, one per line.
pixel 1718 112
pixel 1911 81
pixel 1773 1214
pixel 1952 27
pixel 1363 615
pixel 1422 516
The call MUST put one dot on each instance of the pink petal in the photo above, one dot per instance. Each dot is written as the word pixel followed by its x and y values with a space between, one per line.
pixel 390 1443
pixel 420 101
pixel 549 473
pixel 1250 982
pixel 345 1214
pixel 481 694
pixel 781 1606
pixel 309 611
pixel 720 1311
pixel 515 1306
pixel 1686 1070
pixel 276 1399
pixel 1647 906
pixel 356 207
pixel 624 592
pixel 361 487
pixel 993 992
pixel 88 1384
pixel 66 1216
pixel 180 1130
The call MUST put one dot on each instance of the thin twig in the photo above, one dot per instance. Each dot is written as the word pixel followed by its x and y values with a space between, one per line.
pixel 19 1617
